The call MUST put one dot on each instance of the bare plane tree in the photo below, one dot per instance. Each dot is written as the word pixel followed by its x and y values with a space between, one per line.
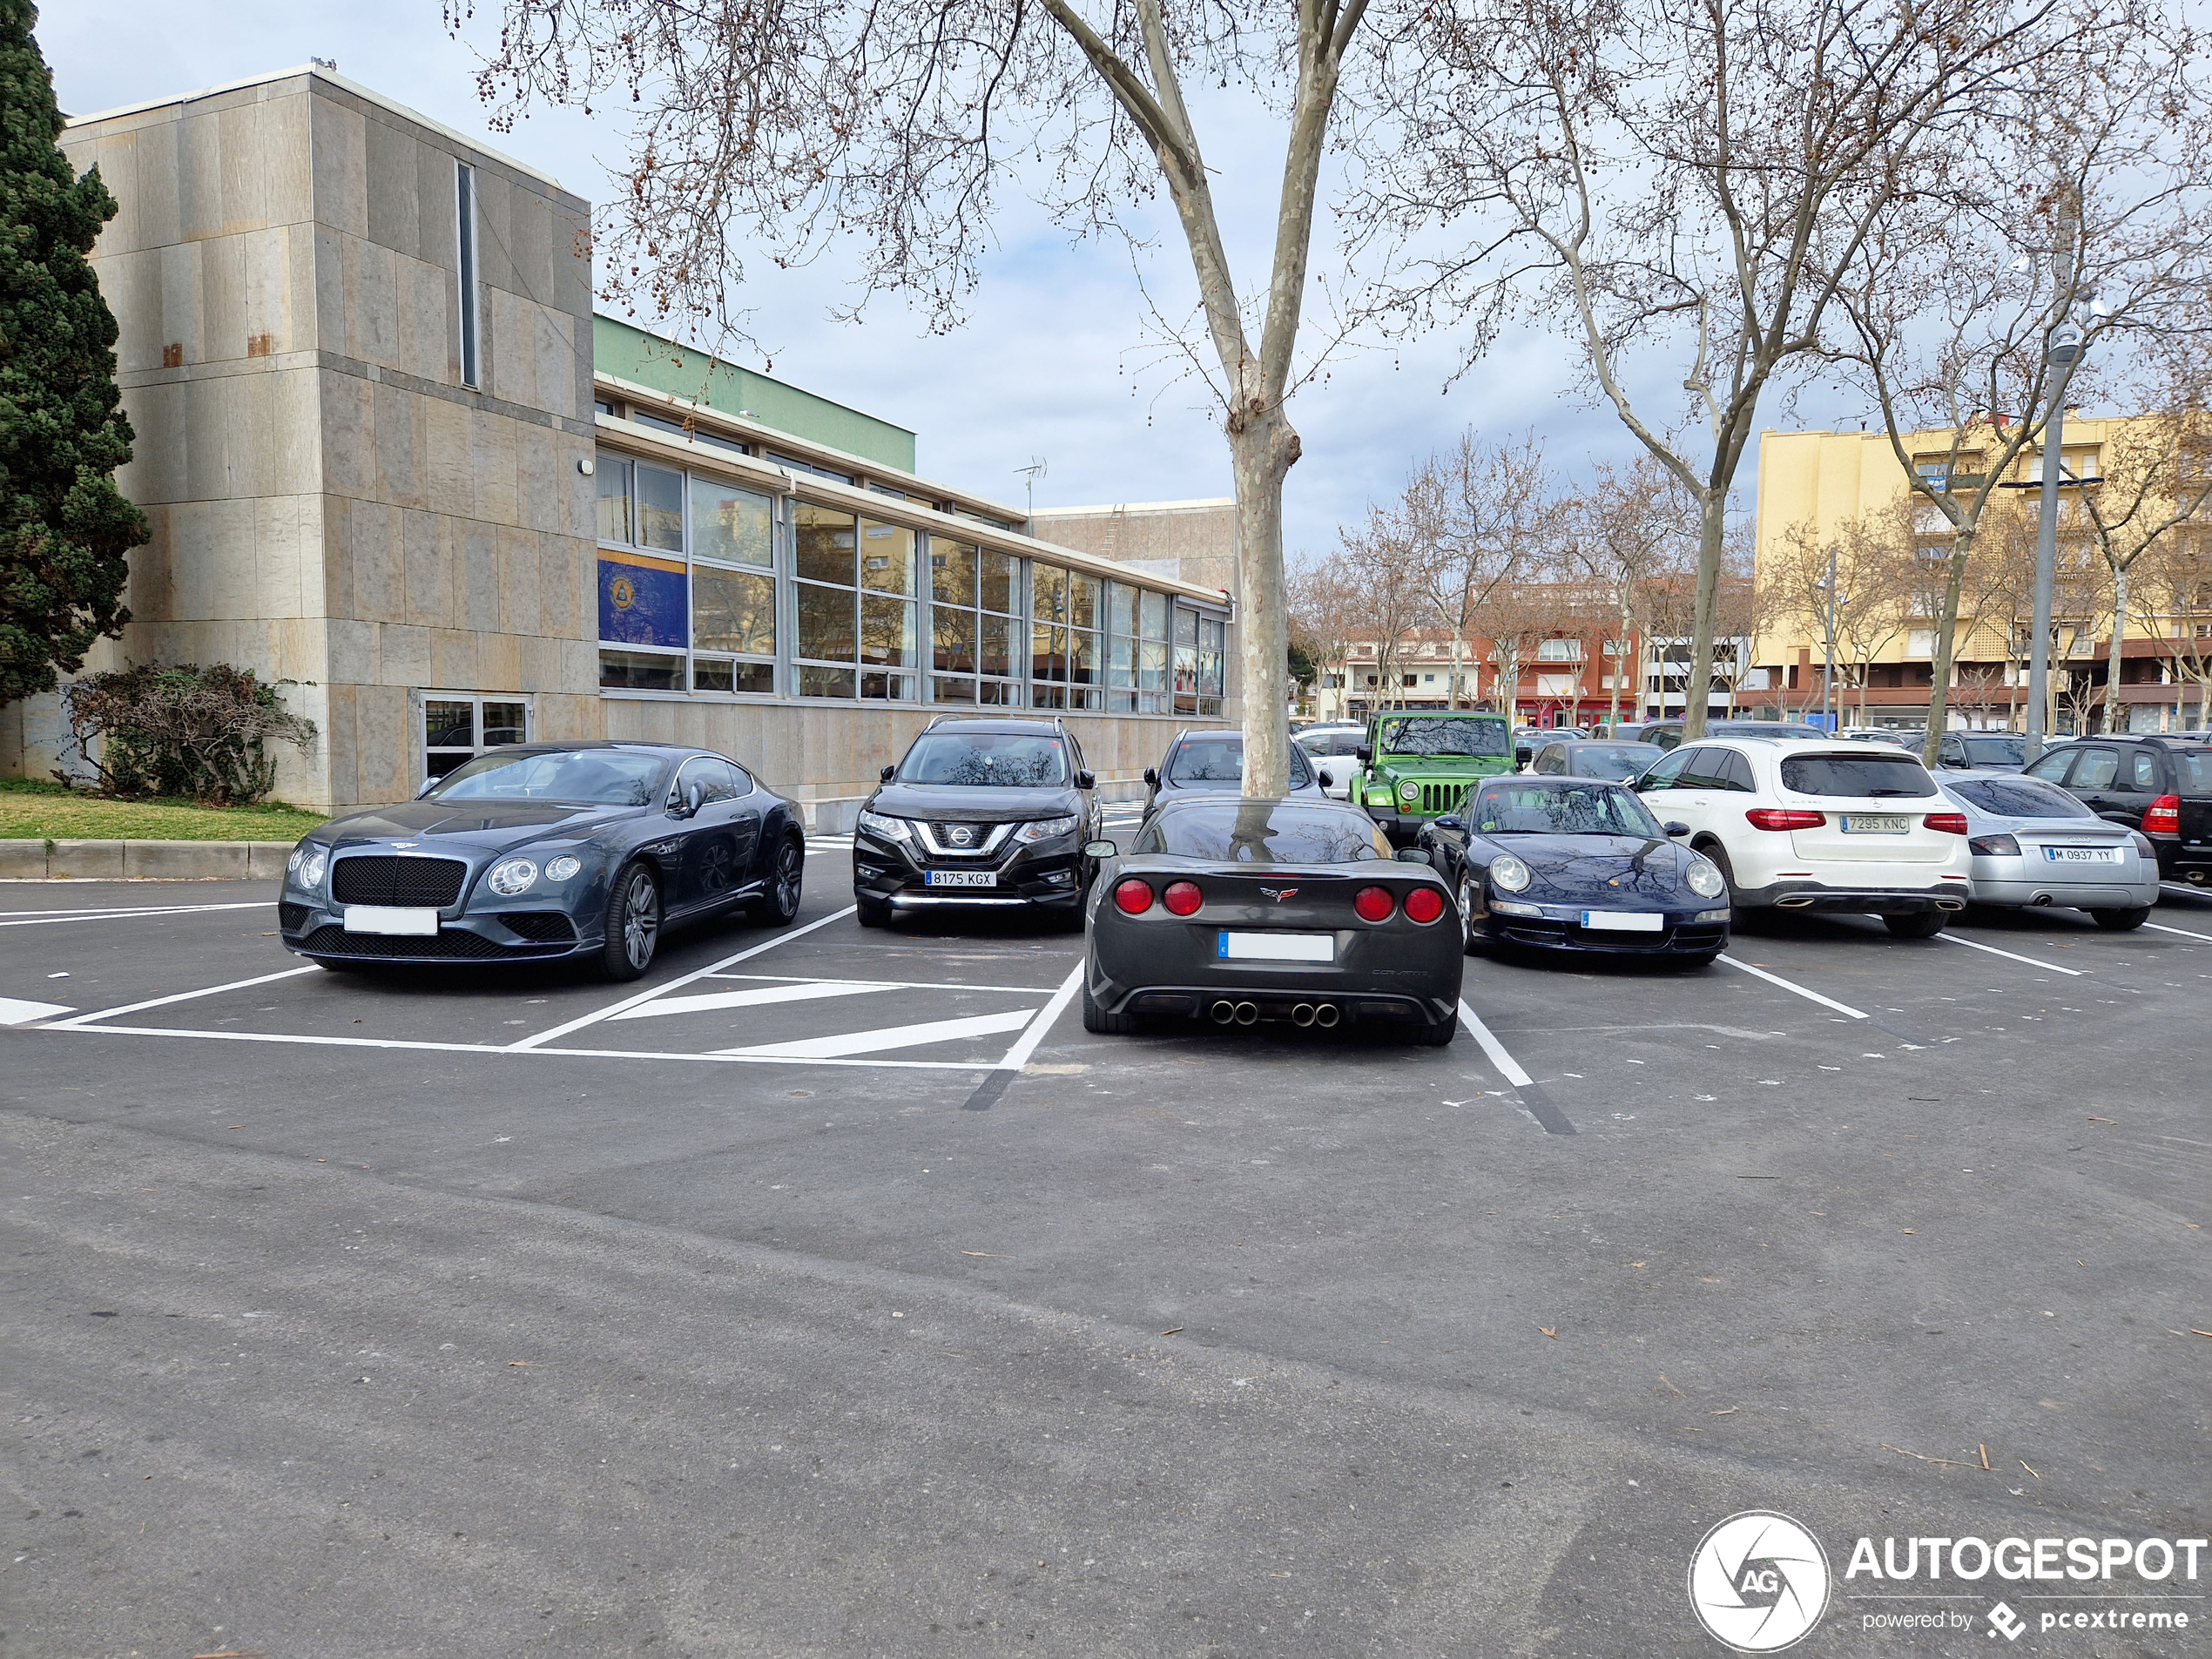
pixel 890 128
pixel 1632 524
pixel 1485 507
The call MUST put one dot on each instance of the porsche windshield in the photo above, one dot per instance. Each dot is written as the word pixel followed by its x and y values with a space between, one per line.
pixel 1264 832
pixel 986 759
pixel 1457 737
pixel 1523 808
pixel 584 777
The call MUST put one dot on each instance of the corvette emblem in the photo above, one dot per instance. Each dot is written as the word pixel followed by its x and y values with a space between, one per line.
pixel 1278 894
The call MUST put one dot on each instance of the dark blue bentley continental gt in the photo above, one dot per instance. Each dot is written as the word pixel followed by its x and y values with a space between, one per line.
pixel 1577 864
pixel 584 850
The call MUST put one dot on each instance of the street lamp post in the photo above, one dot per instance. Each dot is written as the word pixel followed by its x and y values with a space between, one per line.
pixel 2063 348
pixel 1828 673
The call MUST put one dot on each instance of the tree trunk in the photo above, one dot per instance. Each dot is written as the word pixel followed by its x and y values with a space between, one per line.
pixel 1946 641
pixel 1697 693
pixel 1261 452
pixel 2119 632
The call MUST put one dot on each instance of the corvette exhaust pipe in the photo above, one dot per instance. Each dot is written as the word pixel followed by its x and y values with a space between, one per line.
pixel 1325 1016
pixel 1302 1014
pixel 1248 1013
pixel 1223 1012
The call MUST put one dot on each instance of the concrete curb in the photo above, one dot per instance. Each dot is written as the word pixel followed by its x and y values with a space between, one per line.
pixel 143 861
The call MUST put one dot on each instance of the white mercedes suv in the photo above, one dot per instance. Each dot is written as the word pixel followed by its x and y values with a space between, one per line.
pixel 1804 825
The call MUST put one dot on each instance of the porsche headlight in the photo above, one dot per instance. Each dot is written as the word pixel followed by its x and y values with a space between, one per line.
pixel 888 829
pixel 1705 879
pixel 1044 829
pixel 1409 790
pixel 511 877
pixel 561 868
pixel 306 864
pixel 1509 872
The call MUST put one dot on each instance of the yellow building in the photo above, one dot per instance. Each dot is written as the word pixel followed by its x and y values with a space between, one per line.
pixel 1844 494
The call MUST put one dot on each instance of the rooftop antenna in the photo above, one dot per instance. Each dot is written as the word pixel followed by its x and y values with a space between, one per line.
pixel 1031 473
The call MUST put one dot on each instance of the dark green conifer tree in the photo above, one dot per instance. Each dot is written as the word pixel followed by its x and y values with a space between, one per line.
pixel 63 525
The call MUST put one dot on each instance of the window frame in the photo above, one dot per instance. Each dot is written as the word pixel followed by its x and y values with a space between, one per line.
pixel 469 310
pixel 420 747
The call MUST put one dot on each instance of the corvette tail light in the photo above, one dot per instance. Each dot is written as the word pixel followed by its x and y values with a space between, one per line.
pixel 1424 904
pixel 1184 898
pixel 1949 823
pixel 2165 815
pixel 1784 818
pixel 1374 904
pixel 1132 897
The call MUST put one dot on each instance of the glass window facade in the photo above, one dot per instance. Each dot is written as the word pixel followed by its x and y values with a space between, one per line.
pixel 457 726
pixel 709 588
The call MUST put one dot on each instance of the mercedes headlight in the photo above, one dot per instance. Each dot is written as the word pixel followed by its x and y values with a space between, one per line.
pixel 561 868
pixel 306 864
pixel 888 829
pixel 512 876
pixel 1509 872
pixel 1409 790
pixel 1044 829
pixel 1705 879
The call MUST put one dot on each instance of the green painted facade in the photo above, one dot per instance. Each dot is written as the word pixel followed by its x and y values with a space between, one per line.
pixel 630 353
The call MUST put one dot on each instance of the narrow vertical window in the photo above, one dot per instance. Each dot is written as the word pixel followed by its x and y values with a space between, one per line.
pixel 464 192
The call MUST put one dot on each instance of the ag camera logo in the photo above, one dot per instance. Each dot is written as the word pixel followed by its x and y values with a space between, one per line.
pixel 1758 1581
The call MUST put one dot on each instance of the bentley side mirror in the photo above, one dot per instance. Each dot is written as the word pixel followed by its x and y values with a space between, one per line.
pixel 694 797
pixel 1152 777
pixel 887 774
pixel 1675 827
pixel 1451 821
pixel 1365 755
pixel 1101 850
pixel 428 784
pixel 1086 781
pixel 1411 855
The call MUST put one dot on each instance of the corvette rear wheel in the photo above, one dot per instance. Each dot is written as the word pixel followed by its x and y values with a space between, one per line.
pixel 632 922
pixel 1469 936
pixel 1439 1036
pixel 1096 1019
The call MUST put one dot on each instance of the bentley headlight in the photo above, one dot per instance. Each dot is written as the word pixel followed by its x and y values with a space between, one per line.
pixel 888 829
pixel 511 877
pixel 561 868
pixel 308 864
pixel 1044 829
pixel 1409 790
pixel 1509 872
pixel 1705 879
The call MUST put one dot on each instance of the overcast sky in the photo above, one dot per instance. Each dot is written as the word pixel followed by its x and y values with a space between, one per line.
pixel 1053 362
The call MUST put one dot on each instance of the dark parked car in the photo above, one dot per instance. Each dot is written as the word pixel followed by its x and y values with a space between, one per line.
pixel 1982 752
pixel 1595 757
pixel 1579 865
pixel 980 813
pixel 1667 734
pixel 1293 908
pixel 546 850
pixel 2159 786
pixel 1212 763
pixel 1529 739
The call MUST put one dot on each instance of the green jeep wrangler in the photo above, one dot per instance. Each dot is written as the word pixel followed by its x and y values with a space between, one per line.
pixel 1417 767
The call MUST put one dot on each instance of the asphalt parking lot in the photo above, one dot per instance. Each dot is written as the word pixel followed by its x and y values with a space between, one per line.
pixel 830 1292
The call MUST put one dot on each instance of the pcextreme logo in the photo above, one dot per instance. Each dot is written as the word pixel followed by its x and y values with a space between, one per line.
pixel 1758 1581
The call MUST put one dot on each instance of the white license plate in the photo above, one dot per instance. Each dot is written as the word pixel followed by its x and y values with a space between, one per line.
pixel 960 879
pixel 1624 921
pixel 2082 854
pixel 1876 824
pixel 390 918
pixel 1277 947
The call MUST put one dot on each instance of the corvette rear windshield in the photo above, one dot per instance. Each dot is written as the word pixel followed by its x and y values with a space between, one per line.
pixel 986 759
pixel 1234 832
pixel 1221 760
pixel 2020 798
pixel 580 777
pixel 1562 809
pixel 1857 776
pixel 1433 735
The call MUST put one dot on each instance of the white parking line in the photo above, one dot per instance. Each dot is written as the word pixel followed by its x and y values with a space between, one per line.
pixel 2184 932
pixel 181 996
pixel 1026 1044
pixel 15 1011
pixel 302 1039
pixel 1508 1067
pixel 1953 939
pixel 45 917
pixel 894 1036
pixel 1797 989
pixel 892 984
pixel 539 1039
pixel 759 997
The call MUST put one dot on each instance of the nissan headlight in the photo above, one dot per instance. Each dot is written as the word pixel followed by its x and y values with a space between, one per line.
pixel 1409 792
pixel 1044 829
pixel 563 868
pixel 306 864
pixel 1705 879
pixel 1509 872
pixel 888 829
pixel 511 877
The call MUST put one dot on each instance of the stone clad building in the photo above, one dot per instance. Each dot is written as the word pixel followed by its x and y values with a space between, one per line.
pixel 389 455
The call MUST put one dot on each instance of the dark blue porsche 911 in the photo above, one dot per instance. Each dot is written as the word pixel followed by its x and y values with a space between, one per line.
pixel 582 850
pixel 1577 864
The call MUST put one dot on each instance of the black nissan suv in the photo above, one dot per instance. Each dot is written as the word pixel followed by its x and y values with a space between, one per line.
pixel 980 813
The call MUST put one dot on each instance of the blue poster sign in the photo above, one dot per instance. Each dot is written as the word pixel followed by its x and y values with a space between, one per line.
pixel 643 601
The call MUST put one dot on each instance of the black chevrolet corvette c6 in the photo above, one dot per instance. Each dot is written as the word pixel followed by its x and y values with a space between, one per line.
pixel 1237 911
pixel 1577 864
pixel 539 851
